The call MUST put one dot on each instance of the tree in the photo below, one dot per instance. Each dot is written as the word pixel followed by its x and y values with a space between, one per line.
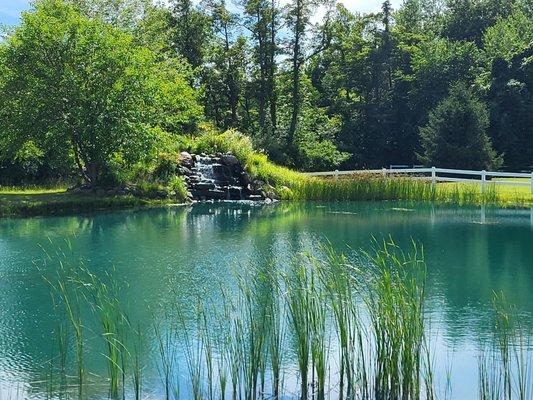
pixel 510 98
pixel 455 136
pixel 467 19
pixel 78 84
pixel 223 73
pixel 261 18
pixel 192 29
pixel 298 17
pixel 124 14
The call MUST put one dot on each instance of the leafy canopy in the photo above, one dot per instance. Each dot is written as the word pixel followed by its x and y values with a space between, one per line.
pixel 83 86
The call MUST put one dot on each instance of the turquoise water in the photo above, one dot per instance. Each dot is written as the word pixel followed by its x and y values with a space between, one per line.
pixel 186 252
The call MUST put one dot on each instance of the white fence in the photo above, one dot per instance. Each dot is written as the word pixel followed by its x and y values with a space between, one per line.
pixel 435 175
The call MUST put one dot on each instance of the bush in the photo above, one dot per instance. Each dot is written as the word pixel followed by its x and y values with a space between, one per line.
pixel 178 186
pixel 166 166
pixel 230 141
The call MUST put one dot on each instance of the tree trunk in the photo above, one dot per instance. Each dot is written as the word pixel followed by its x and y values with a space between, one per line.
pixel 76 148
pixel 272 69
pixel 262 70
pixel 295 91
pixel 233 92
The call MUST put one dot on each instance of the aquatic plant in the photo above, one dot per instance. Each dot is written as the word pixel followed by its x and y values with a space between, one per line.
pixel 504 367
pixel 365 310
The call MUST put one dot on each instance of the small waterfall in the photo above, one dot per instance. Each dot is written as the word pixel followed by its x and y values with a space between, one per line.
pixel 205 169
pixel 219 177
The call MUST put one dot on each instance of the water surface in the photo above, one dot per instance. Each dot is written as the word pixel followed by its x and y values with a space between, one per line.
pixel 159 255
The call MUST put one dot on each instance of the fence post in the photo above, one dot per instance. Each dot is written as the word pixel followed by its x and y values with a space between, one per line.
pixel 433 176
pixel 483 180
pixel 336 174
pixel 384 171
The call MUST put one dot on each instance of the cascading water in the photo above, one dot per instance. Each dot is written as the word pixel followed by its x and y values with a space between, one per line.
pixel 220 177
pixel 205 169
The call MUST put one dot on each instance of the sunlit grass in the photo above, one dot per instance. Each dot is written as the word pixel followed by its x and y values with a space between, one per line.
pixel 31 190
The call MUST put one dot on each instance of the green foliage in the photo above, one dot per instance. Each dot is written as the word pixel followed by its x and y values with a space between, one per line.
pixel 439 63
pixel 107 86
pixel 455 136
pixel 315 140
pixel 231 141
pixel 71 80
pixel 120 13
pixel 178 186
pixel 510 97
pixel 191 31
pixel 508 36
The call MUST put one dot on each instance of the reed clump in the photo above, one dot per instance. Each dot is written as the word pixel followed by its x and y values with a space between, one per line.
pixel 368 187
pixel 325 325
pixel 80 299
pixel 504 369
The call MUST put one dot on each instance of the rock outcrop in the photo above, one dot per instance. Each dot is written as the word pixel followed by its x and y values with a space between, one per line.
pixel 208 177
pixel 218 177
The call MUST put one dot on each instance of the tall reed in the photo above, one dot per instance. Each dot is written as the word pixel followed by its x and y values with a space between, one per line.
pixel 395 301
pixel 370 187
pixel 276 322
pixel 64 289
pixel 504 368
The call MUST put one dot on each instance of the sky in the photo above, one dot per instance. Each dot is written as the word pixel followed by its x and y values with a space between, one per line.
pixel 10 9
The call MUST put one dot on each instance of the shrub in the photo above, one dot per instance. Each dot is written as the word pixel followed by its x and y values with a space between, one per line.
pixel 177 185
pixel 166 166
pixel 230 141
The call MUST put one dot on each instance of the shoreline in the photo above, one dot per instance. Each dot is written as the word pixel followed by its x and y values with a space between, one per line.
pixel 32 205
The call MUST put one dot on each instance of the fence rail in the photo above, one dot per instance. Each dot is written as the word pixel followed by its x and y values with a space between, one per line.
pixel 435 175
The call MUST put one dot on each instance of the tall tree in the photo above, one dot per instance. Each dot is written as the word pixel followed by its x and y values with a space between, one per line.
pixel 262 20
pixel 456 133
pixel 192 28
pixel 298 18
pixel 70 80
pixel 223 73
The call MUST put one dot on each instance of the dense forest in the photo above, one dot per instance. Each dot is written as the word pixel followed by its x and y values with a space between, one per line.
pixel 100 88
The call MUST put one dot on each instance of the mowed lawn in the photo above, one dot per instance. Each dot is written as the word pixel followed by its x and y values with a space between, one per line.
pixel 507 194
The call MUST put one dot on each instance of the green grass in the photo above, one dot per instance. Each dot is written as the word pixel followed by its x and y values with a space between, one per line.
pixel 376 188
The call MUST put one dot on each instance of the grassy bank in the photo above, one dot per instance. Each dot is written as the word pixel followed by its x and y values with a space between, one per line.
pixel 50 201
pixel 286 184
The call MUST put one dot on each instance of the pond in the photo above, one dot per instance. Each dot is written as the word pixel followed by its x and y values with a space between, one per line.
pixel 182 254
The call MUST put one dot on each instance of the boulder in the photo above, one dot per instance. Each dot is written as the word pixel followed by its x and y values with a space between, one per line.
pixel 216 194
pixel 204 186
pixel 186 159
pixel 245 179
pixel 183 170
pixel 229 159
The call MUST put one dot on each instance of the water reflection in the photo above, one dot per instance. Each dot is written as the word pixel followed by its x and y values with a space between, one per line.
pixel 168 255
